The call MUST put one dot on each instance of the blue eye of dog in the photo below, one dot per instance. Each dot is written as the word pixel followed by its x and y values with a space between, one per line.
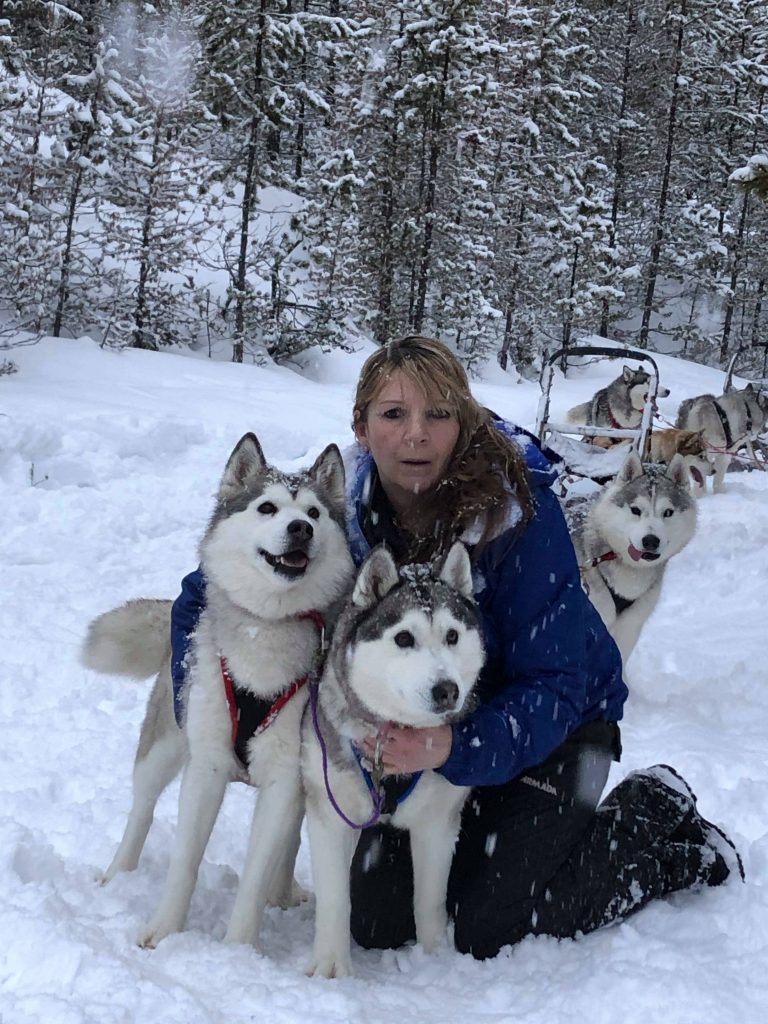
pixel 267 508
pixel 668 512
pixel 404 638
pixel 313 513
pixel 635 510
pixel 452 637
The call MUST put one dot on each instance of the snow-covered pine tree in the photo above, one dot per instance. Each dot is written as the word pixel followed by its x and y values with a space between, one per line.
pixel 254 55
pixel 152 214
pixel 95 102
pixel 553 206
pixel 414 117
pixel 31 120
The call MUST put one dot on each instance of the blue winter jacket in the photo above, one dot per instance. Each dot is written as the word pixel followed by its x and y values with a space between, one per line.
pixel 551 665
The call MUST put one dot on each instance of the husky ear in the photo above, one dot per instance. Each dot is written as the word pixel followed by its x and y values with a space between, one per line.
pixel 631 468
pixel 246 465
pixel 677 471
pixel 456 570
pixel 748 390
pixel 328 473
pixel 377 575
pixel 627 373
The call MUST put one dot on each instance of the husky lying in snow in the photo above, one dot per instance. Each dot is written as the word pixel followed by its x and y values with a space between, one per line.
pixel 728 422
pixel 618 405
pixel 639 521
pixel 407 649
pixel 276 562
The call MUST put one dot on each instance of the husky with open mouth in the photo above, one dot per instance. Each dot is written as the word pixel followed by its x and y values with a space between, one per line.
pixel 277 567
pixel 625 540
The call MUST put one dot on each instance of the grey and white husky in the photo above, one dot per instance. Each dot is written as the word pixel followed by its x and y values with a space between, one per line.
pixel 407 650
pixel 618 405
pixel 729 422
pixel 276 562
pixel 641 519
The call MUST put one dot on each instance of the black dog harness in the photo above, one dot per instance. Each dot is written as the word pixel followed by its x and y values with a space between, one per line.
pixel 725 425
pixel 619 603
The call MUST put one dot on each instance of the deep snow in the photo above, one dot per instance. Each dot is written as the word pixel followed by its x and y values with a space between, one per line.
pixel 108 463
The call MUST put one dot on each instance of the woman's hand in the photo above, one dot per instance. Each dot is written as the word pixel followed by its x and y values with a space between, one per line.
pixel 404 751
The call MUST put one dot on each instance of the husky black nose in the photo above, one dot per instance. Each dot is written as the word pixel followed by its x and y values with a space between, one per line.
pixel 650 542
pixel 445 694
pixel 300 530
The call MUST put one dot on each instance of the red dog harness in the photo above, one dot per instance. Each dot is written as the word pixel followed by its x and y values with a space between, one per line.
pixel 251 715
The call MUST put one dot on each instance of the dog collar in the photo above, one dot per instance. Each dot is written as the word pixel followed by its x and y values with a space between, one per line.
pixel 390 789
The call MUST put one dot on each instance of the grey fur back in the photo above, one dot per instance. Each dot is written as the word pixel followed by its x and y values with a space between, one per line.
pixel 133 640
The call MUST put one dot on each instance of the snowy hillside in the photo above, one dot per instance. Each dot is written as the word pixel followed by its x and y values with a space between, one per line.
pixel 108 463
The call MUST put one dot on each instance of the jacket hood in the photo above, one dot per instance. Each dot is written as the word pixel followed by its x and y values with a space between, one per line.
pixel 359 465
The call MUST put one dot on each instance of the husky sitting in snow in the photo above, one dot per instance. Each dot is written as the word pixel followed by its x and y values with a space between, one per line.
pixel 276 562
pixel 619 405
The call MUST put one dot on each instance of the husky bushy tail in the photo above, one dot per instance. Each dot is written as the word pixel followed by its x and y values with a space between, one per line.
pixel 133 640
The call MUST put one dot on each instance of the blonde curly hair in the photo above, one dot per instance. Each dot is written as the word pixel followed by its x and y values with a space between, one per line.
pixel 484 464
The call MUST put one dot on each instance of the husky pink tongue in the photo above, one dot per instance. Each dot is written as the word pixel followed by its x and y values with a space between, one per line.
pixel 634 554
pixel 296 559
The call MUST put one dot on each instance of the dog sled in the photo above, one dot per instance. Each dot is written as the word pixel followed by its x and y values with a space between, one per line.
pixel 756 456
pixel 593 453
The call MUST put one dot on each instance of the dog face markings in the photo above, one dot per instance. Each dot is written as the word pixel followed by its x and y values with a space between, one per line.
pixel 646 508
pixel 417 646
pixel 276 521
pixel 417 664
pixel 637 387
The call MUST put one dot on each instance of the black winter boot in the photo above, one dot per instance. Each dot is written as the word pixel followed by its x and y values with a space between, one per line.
pixel 720 857
pixel 649 804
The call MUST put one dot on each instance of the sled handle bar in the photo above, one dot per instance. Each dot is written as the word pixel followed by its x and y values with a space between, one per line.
pixel 603 350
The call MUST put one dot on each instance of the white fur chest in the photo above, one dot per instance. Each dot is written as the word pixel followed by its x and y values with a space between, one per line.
pixel 262 656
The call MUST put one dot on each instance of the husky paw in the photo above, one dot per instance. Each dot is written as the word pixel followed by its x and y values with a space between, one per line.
pixel 329 966
pixel 295 896
pixel 104 877
pixel 155 932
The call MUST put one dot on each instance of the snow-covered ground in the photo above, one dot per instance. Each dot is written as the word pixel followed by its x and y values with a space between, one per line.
pixel 108 463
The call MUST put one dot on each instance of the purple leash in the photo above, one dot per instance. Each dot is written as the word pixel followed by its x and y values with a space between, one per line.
pixel 376 797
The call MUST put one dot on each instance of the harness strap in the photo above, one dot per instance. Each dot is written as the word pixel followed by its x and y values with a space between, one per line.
pixel 724 422
pixel 250 714
pixel 612 421
pixel 607 556
pixel 620 603
pixel 748 415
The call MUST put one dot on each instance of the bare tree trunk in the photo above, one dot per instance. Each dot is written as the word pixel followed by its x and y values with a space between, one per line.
pixel 140 339
pixel 619 170
pixel 246 210
pixel 250 189
pixel 730 301
pixel 756 313
pixel 66 258
pixel 568 323
pixel 425 259
pixel 661 211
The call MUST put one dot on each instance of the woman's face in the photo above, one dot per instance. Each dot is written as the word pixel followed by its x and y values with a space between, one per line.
pixel 410 438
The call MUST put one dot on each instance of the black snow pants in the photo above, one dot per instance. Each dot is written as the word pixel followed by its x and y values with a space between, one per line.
pixel 535 856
